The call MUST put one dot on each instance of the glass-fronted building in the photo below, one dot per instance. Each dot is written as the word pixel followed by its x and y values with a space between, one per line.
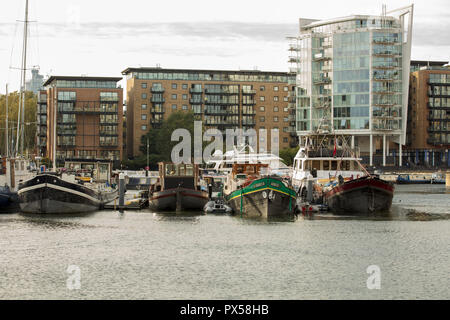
pixel 352 79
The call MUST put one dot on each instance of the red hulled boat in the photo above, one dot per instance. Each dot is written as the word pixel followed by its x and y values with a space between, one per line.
pixel 364 195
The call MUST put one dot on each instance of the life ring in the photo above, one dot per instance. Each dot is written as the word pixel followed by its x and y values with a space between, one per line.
pixel 264 194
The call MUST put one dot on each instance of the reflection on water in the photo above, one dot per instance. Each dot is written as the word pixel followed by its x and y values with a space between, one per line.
pixel 147 255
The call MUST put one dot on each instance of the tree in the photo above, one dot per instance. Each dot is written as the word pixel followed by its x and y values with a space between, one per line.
pixel 288 155
pixel 160 144
pixel 29 118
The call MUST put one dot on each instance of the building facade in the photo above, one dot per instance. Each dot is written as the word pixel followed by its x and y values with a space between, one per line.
pixel 428 134
pixel 220 99
pixel 36 82
pixel 352 79
pixel 85 115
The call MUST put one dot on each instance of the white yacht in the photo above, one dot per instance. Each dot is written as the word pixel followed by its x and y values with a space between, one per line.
pixel 323 165
pixel 222 163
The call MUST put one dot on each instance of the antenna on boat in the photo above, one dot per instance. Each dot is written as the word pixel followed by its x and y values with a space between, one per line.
pixel 6 124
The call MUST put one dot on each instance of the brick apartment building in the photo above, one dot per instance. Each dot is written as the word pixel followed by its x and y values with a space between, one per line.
pixel 220 99
pixel 89 119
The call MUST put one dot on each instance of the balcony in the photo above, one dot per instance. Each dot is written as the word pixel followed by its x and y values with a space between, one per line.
pixel 153 110
pixel 435 142
pixel 108 134
pixel 195 101
pixel 156 121
pixel 385 41
pixel 248 102
pixel 249 123
pixel 90 110
pixel 157 90
pixel 157 100
pixel 195 90
pixel 434 82
pixel 248 112
pixel 323 80
pixel 248 91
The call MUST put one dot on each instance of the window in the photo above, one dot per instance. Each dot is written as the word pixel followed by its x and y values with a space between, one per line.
pixel 261 109
pixel 174 96
pixel 184 86
pixel 275 119
pixel 286 119
pixel 143 116
pixel 262 119
pixel 275 109
pixel 144 127
pixel 184 96
pixel 184 107
pixel 285 99
pixel 275 98
pixel 285 109
pixel 285 88
pixel 109 96
pixel 285 139
pixel 174 85
pixel 174 107
pixel 262 88
pixel 275 88
pixel 285 129
pixel 144 96
pixel 262 98
pixel 144 107
pixel 143 85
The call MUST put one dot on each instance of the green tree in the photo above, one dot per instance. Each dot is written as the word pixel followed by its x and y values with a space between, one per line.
pixel 288 155
pixel 160 144
pixel 30 120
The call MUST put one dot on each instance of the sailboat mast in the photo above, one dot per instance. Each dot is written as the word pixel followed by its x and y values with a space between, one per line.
pixel 21 113
pixel 6 124
pixel 55 118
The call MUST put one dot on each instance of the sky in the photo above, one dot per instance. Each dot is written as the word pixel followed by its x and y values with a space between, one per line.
pixel 104 37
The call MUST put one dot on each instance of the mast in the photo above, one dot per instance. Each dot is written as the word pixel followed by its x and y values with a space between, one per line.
pixel 6 124
pixel 55 109
pixel 21 111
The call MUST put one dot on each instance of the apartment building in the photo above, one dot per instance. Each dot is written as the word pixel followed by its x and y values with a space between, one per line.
pixel 220 99
pixel 428 134
pixel 86 115
pixel 352 80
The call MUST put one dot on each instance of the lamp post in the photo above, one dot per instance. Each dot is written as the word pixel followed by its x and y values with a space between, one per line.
pixel 147 168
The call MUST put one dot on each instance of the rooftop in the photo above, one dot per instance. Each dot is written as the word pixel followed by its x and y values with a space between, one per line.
pixel 80 78
pixel 157 69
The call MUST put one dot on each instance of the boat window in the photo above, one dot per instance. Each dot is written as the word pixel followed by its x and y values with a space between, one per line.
pixel 275 184
pixel 307 165
pixel 182 170
pixel 241 176
pixel 326 165
pixel 333 165
pixel 259 184
pixel 171 170
pixel 189 170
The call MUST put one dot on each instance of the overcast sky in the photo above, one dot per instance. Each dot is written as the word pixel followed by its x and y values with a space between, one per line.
pixel 103 37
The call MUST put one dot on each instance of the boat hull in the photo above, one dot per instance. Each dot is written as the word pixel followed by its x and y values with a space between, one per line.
pixel 264 202
pixel 360 196
pixel 50 194
pixel 178 199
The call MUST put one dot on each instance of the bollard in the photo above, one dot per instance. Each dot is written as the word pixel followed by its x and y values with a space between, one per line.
pixel 121 190
pixel 309 188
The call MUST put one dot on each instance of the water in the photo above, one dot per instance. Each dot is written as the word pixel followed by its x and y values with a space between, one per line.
pixel 142 255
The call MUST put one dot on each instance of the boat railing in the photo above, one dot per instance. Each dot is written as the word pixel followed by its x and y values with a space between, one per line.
pixel 328 152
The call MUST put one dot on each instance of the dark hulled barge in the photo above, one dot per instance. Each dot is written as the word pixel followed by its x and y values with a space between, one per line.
pixel 177 189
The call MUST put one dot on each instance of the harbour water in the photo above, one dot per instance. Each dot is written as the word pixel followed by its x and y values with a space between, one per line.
pixel 144 255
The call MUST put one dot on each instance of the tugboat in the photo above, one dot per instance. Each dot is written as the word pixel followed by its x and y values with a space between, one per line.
pixel 177 189
pixel 365 195
pixel 250 193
